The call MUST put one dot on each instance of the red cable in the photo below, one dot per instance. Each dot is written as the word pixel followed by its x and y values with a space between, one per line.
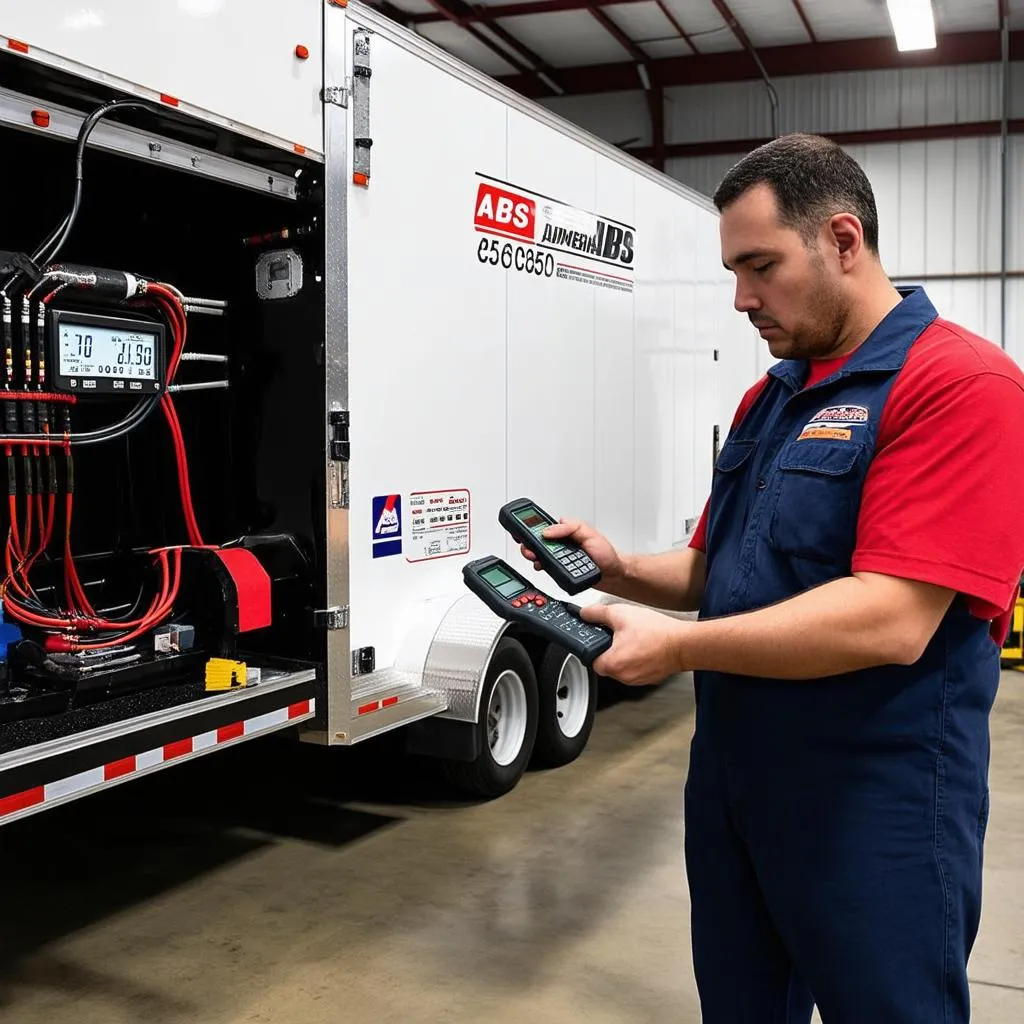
pixel 163 609
pixel 194 535
pixel 82 615
pixel 171 305
pixel 73 589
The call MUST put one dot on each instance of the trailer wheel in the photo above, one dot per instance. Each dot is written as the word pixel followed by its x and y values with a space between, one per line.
pixel 568 700
pixel 507 727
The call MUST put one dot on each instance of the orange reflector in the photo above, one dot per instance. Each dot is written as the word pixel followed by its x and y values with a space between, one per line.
pixel 15 44
pixel 41 118
pixel 299 149
pixel 338 3
pixel 302 52
pixel 171 101
pixel 361 179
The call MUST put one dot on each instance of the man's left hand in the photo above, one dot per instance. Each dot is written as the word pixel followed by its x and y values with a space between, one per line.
pixel 646 649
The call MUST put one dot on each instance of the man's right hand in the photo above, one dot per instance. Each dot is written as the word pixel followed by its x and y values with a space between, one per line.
pixel 600 549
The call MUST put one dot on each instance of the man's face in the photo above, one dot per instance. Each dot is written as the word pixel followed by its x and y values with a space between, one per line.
pixel 790 289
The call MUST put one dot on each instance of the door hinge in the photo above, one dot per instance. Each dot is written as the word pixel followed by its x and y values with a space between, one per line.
pixel 339 484
pixel 338 421
pixel 331 618
pixel 336 94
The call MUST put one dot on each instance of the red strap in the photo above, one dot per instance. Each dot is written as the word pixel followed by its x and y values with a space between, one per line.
pixel 253 586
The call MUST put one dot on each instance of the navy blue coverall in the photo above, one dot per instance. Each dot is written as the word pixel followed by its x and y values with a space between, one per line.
pixel 834 827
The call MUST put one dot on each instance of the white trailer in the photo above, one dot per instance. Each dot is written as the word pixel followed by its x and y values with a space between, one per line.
pixel 448 298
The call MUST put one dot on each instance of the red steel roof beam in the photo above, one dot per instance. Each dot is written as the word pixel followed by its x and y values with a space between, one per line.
pixel 514 10
pixel 737 29
pixel 653 89
pixel 460 13
pixel 803 17
pixel 877 54
pixel 675 24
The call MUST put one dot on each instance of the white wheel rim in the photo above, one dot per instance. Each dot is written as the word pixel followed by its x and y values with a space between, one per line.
pixel 506 718
pixel 572 697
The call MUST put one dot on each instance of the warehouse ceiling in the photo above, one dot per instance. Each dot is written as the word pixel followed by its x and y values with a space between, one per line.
pixel 547 48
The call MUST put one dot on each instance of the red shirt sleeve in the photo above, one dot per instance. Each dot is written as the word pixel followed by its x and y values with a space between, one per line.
pixel 699 538
pixel 942 500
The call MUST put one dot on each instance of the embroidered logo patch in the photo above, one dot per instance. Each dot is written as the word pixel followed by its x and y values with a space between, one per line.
pixel 826 433
pixel 835 423
pixel 842 414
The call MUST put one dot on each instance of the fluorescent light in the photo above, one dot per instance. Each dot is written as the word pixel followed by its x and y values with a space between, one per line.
pixel 913 24
pixel 645 79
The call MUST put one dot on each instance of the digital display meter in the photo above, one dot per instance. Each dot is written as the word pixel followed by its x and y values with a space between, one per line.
pixel 565 562
pixel 105 354
pixel 508 595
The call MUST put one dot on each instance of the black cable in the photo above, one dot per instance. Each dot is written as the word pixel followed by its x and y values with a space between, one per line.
pixel 48 250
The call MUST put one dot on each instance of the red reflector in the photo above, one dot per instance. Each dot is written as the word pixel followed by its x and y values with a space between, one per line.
pixel 367 708
pixel 19 801
pixel 118 769
pixel 361 179
pixel 171 101
pixel 299 149
pixel 388 702
pixel 178 749
pixel 41 118
pixel 16 44
pixel 298 710
pixel 230 732
pixel 302 52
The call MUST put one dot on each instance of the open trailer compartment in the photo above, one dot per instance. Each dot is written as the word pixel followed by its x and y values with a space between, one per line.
pixel 166 499
pixel 367 296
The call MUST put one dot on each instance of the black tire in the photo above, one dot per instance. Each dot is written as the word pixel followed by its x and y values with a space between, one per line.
pixel 562 734
pixel 486 777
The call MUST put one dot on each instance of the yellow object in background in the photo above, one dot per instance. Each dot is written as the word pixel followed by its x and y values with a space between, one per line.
pixel 223 674
pixel 1013 648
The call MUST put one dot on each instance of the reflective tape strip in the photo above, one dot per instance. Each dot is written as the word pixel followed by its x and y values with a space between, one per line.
pixel 61 790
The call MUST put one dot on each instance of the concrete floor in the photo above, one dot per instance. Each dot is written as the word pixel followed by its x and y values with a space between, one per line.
pixel 277 883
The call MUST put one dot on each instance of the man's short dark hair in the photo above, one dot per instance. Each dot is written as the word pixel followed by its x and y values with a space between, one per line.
pixel 813 178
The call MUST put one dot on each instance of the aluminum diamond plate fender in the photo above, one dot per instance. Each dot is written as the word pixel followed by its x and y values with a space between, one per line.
pixel 458 653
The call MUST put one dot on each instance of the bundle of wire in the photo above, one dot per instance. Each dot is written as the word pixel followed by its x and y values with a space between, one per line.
pixel 78 626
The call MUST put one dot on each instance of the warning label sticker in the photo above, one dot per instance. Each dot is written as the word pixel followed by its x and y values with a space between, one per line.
pixel 440 525
pixel 534 234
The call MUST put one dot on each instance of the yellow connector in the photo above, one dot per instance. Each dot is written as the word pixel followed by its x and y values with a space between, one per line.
pixel 222 674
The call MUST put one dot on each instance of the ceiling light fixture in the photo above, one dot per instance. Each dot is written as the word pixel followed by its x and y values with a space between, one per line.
pixel 913 24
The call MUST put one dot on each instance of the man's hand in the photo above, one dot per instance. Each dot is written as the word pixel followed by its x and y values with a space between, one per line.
pixel 673 579
pixel 646 649
pixel 600 549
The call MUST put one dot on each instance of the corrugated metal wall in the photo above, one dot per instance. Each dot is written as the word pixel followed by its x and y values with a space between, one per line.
pixel 939 201
pixel 844 102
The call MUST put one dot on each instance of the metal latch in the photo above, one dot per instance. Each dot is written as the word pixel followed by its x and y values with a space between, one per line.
pixel 341 447
pixel 336 94
pixel 331 618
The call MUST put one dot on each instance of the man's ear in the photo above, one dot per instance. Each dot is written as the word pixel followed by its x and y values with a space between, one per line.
pixel 847 237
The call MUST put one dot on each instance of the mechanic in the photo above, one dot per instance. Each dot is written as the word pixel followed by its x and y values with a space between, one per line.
pixel 855 571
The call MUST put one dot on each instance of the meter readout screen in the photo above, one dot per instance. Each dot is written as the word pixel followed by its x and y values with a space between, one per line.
pixel 92 351
pixel 537 523
pixel 504 584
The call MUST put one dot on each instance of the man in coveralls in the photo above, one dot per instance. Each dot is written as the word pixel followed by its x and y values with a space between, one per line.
pixel 855 570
